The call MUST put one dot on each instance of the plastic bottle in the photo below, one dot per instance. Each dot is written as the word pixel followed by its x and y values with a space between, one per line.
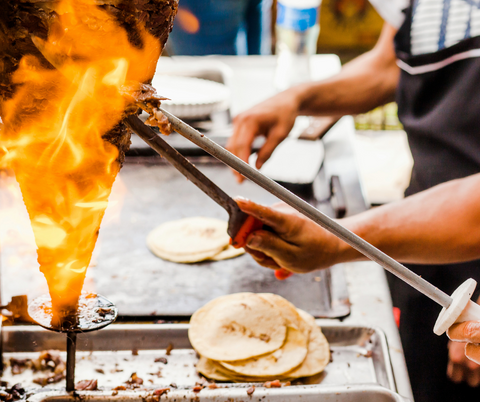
pixel 297 32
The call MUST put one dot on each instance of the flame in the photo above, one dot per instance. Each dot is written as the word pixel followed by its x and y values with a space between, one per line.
pixel 187 21
pixel 53 129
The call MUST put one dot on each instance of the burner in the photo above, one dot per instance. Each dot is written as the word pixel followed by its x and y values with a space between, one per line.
pixel 94 312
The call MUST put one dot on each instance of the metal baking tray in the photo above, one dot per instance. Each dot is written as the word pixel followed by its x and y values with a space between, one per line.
pixel 357 393
pixel 147 193
pixel 359 355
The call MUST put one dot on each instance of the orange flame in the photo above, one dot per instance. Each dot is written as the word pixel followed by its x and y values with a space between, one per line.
pixel 53 131
pixel 188 21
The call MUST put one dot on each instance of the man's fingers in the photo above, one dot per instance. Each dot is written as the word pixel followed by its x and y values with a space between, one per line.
pixel 262 259
pixel 473 379
pixel 468 331
pixel 274 138
pixel 472 351
pixel 455 372
pixel 240 143
pixel 275 219
pixel 271 245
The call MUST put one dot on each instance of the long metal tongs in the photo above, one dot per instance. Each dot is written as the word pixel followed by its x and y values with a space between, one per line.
pixel 453 306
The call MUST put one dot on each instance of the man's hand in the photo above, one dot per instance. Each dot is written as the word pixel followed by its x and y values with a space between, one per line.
pixel 296 243
pixel 460 368
pixel 464 358
pixel 273 118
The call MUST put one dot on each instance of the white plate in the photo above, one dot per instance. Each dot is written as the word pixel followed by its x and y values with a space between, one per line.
pixel 191 98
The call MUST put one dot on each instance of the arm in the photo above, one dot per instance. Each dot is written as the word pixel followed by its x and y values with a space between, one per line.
pixel 440 225
pixel 366 82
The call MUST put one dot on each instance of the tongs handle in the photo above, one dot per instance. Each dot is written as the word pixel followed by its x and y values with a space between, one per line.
pixel 250 225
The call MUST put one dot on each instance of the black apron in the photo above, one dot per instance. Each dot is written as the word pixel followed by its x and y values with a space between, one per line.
pixel 440 111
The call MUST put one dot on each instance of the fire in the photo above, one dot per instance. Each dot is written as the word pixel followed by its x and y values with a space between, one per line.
pixel 187 21
pixel 54 129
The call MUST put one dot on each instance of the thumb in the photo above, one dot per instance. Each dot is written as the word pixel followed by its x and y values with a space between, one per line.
pixel 277 220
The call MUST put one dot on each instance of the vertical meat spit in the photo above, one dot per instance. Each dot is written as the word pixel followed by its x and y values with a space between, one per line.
pixel 94 312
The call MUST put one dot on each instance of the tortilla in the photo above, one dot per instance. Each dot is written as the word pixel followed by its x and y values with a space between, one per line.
pixel 289 312
pixel 229 252
pixel 189 240
pixel 215 371
pixel 237 327
pixel 210 370
pixel 290 355
pixel 318 355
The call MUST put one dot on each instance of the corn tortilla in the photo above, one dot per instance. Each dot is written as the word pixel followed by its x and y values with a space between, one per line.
pixel 289 312
pixel 237 327
pixel 318 355
pixel 189 240
pixel 281 361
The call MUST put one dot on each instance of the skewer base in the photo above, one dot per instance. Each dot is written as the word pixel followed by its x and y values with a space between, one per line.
pixel 93 313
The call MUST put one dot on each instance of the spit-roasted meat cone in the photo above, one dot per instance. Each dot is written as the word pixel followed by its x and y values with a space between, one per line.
pixel 66 178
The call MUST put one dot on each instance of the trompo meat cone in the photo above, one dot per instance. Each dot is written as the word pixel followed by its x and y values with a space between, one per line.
pixel 64 67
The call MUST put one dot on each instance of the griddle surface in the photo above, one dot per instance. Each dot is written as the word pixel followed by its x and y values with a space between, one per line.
pixel 141 284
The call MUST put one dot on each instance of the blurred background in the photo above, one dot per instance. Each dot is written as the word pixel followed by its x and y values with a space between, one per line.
pixel 348 28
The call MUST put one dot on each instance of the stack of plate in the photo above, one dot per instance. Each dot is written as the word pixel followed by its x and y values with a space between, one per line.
pixel 191 98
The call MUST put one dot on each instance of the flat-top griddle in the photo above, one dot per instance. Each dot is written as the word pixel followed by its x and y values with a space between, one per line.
pixel 141 284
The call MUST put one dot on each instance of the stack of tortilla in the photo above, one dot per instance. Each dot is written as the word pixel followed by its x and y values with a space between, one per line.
pixel 248 337
pixel 192 240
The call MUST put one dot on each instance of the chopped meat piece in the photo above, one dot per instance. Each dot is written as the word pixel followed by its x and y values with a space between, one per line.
pixel 99 370
pixel 11 394
pixel 18 366
pixel 86 385
pixel 169 349
pixel 50 361
pixel 197 388
pixel 158 119
pixel 134 381
pixel 212 386
pixel 272 384
pixel 120 388
pixel 161 391
pixel 161 360
pixel 251 390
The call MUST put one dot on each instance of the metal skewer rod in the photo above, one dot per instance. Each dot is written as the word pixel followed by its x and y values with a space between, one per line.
pixel 308 210
pixel 71 351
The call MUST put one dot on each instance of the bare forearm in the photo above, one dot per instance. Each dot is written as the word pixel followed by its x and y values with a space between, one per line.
pixel 363 84
pixel 440 225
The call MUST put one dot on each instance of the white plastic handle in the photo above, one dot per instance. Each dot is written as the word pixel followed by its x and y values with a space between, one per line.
pixel 462 308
